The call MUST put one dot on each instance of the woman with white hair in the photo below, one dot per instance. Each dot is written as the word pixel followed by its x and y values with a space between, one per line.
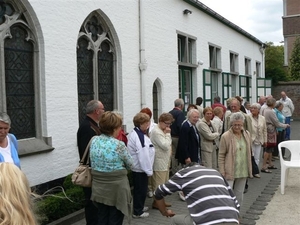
pixel 259 132
pixel 8 142
pixel 235 155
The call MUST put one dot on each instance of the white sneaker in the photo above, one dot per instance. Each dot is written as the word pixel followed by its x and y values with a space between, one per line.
pixel 145 209
pixel 144 215
pixel 150 194
pixel 181 196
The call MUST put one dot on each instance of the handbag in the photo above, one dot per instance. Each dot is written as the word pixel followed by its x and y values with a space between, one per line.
pixel 82 175
pixel 255 169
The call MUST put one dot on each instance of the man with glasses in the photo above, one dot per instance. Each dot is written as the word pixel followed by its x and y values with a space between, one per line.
pixel 87 129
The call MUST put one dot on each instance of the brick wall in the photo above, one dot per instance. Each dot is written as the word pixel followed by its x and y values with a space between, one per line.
pixel 292 90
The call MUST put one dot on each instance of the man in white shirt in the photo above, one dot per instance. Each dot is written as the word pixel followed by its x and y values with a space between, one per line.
pixel 287 111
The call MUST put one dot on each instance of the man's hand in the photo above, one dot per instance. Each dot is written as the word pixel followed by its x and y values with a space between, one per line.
pixel 187 161
pixel 169 213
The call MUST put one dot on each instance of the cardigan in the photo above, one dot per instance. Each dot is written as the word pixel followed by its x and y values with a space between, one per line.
pixel 112 189
pixel 162 145
pixel 13 150
pixel 261 132
pixel 227 153
pixel 208 138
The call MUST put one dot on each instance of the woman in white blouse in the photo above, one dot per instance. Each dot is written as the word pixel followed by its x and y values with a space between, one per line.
pixel 259 132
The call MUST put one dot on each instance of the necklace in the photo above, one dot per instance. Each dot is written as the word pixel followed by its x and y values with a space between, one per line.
pixel 240 142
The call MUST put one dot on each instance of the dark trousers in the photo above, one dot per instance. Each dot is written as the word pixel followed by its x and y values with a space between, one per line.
pixel 140 185
pixel 280 138
pixel 109 215
pixel 91 211
pixel 288 129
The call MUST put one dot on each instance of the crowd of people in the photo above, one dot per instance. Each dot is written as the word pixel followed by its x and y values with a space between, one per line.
pixel 210 153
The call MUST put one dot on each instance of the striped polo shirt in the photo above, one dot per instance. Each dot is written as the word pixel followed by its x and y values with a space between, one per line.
pixel 209 198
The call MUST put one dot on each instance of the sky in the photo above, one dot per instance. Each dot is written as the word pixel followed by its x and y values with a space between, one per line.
pixel 261 18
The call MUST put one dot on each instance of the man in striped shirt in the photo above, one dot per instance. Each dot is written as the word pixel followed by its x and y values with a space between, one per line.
pixel 209 198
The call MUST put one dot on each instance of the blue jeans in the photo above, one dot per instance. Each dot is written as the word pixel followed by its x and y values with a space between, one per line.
pixel 288 129
pixel 109 215
pixel 140 186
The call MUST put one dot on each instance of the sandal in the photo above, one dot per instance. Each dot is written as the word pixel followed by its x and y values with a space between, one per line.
pixel 272 167
pixel 266 171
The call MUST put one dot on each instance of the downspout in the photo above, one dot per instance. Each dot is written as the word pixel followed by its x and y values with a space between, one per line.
pixel 143 62
pixel 262 51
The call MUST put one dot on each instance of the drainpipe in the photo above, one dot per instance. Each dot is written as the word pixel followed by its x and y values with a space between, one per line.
pixel 143 61
pixel 262 51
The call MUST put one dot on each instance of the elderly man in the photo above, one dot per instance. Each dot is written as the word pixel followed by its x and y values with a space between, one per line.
pixel 188 149
pixel 287 111
pixel 178 117
pixel 235 106
pixel 87 129
pixel 209 198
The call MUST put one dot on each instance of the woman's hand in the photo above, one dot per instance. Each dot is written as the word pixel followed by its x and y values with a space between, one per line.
pixel 167 130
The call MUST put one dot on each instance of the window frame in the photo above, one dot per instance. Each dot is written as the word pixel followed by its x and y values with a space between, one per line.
pixel 39 143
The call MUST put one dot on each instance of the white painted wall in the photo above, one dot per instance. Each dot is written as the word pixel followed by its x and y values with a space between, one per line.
pixel 60 22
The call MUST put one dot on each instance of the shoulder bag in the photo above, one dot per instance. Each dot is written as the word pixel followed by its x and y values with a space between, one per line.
pixel 82 175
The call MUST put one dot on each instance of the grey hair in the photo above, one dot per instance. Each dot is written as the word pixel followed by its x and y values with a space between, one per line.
pixel 278 104
pixel 178 102
pixel 236 116
pixel 189 113
pixel 271 102
pixel 91 106
pixel 5 118
pixel 256 105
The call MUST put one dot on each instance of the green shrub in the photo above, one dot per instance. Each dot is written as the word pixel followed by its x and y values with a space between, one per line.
pixel 59 205
pixel 54 207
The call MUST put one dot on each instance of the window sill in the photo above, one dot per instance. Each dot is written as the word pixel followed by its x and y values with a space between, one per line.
pixel 34 146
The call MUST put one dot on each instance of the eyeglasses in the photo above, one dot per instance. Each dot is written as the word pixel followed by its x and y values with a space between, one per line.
pixel 237 125
pixel 168 124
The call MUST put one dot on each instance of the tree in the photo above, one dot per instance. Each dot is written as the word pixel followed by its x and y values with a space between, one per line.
pixel 274 60
pixel 295 61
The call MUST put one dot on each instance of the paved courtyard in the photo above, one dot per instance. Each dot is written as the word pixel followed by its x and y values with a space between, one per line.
pixel 260 194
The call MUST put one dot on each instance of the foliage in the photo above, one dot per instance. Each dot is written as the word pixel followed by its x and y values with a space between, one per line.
pixel 274 61
pixel 295 61
pixel 59 205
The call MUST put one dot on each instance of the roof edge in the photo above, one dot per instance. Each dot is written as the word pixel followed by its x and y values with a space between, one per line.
pixel 199 5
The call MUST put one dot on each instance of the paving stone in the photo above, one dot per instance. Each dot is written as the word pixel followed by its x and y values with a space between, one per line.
pixel 251 217
pixel 253 211
pixel 247 222
pixel 271 188
pixel 264 199
pixel 257 207
pixel 268 192
pixel 260 203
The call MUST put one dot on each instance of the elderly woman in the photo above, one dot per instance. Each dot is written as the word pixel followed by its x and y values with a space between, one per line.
pixel 280 130
pixel 161 139
pixel 259 132
pixel 8 142
pixel 142 151
pixel 235 155
pixel 209 134
pixel 272 123
pixel 110 161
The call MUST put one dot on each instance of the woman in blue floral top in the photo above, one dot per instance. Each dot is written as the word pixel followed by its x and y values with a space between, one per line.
pixel 110 161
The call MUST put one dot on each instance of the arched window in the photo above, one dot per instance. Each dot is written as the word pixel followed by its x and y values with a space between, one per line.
pixel 95 64
pixel 17 71
pixel 21 80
